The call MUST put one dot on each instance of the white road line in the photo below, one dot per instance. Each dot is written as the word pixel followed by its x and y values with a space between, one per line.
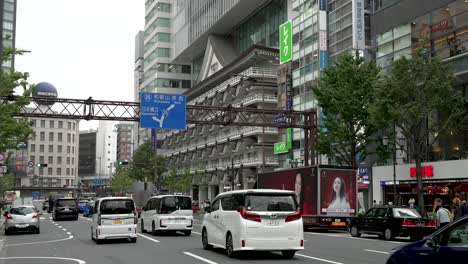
pixel 200 258
pixel 41 242
pixel 68 233
pixel 64 229
pixel 59 226
pixel 41 218
pixel 319 259
pixel 371 239
pixel 79 261
pixel 328 235
pixel 376 251
pixel 196 233
pixel 149 238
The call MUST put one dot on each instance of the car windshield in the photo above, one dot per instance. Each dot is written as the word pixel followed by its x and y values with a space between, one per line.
pixel 64 203
pixel 405 213
pixel 174 203
pixel 121 206
pixel 22 211
pixel 270 202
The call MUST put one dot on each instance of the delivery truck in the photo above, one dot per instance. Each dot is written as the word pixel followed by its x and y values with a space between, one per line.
pixel 327 195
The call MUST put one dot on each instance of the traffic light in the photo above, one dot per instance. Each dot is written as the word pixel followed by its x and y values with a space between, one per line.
pixel 41 165
pixel 122 162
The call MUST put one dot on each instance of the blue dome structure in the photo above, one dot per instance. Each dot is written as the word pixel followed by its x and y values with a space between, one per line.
pixel 45 90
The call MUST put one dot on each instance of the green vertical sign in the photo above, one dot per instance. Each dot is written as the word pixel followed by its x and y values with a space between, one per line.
pixel 285 39
pixel 289 138
pixel 280 147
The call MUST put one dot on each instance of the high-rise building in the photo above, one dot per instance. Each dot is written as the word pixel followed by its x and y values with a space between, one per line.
pixel 106 150
pixel 87 158
pixel 124 141
pixel 8 30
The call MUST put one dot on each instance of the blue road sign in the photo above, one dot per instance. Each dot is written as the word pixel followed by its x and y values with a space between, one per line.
pixel 36 195
pixel 98 182
pixel 163 111
pixel 281 119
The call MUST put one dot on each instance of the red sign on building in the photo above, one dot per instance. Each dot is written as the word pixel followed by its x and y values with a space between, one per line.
pixel 426 171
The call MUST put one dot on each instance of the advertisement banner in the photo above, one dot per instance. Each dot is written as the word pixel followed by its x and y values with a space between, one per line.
pixel 301 180
pixel 359 40
pixel 323 39
pixel 338 192
pixel 285 40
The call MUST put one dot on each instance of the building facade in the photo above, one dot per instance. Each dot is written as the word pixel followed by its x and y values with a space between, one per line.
pixel 397 27
pixel 124 141
pixel 8 30
pixel 87 158
pixel 106 151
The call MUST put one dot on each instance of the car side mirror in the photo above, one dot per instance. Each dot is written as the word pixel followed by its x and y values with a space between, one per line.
pixel 208 209
pixel 432 243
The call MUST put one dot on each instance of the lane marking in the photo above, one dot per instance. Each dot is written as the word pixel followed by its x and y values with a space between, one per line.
pixel 149 238
pixel 60 227
pixel 40 242
pixel 79 261
pixel 196 233
pixel 350 237
pixel 41 218
pixel 319 259
pixel 376 251
pixel 64 229
pixel 200 258
pixel 328 235
pixel 68 233
pixel 371 239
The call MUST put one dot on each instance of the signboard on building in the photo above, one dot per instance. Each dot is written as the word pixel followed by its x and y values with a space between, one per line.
pixel 426 171
pixel 163 111
pixel 280 148
pixel 359 40
pixel 285 39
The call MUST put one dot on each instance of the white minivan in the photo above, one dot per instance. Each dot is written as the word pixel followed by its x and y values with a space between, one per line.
pixel 114 218
pixel 245 220
pixel 167 213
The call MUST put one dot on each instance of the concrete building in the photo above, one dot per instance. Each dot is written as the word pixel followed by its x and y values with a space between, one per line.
pixel 8 30
pixel 124 141
pixel 232 49
pixel 106 150
pixel 54 142
pixel 87 158
pixel 397 26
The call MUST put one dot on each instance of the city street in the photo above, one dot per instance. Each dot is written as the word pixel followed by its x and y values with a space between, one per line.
pixel 70 242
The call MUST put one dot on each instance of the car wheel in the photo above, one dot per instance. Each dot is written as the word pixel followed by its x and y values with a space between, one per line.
pixel 133 239
pixel 288 254
pixel 388 234
pixel 229 246
pixel 38 230
pixel 154 232
pixel 205 243
pixel 7 233
pixel 355 232
pixel 142 227
pixel 187 232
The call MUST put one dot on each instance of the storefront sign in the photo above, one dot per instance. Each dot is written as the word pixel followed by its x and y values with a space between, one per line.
pixel 323 40
pixel 358 25
pixel 384 183
pixel 440 26
pixel 426 171
pixel 285 41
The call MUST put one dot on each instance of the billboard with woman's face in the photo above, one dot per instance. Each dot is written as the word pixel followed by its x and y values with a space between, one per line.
pixel 302 180
pixel 338 192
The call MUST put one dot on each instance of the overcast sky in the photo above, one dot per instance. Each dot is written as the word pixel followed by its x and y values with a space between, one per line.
pixel 83 47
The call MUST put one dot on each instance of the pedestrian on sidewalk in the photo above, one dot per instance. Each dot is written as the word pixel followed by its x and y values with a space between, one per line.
pixel 443 216
pixel 457 210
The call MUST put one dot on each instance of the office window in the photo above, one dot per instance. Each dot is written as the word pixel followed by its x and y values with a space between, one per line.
pixel 68 149
pixel 73 150
pixel 69 125
pixel 74 125
pixel 60 124
pixel 51 136
pixel 73 161
pixel 41 171
pixel 68 137
pixel 41 159
pixel 68 172
pixel 73 138
pixel 68 160
pixel 33 147
pixel 50 160
pixel 41 148
pixel 59 171
pixel 32 158
pixel 51 123
pixel 59 160
pixel 60 136
pixel 49 171
pixel 59 148
pixel 42 123
pixel 51 148
pixel 33 135
pixel 33 123
pixel 42 136
pixel 73 172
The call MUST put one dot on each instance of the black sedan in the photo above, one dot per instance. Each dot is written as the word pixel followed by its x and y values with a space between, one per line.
pixel 390 222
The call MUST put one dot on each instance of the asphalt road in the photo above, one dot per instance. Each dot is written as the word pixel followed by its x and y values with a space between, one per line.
pixel 67 242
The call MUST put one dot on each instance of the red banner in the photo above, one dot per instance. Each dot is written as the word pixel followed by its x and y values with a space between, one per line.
pixel 426 171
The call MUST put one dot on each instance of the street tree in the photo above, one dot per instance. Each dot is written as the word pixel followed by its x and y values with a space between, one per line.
pixel 143 165
pixel 179 181
pixel 344 94
pixel 121 181
pixel 416 98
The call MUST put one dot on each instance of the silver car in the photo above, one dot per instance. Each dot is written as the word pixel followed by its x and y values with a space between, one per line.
pixel 23 218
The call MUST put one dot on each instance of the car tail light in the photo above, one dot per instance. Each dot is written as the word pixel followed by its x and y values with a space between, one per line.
pixel 249 216
pixel 408 223
pixel 243 243
pixel 295 216
pixel 430 223
pixel 9 217
pixel 35 215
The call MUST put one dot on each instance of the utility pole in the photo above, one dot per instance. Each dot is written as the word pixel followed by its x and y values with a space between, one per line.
pixel 155 149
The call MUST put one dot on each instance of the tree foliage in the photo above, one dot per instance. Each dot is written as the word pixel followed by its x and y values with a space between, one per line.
pixel 418 98
pixel 344 94
pixel 178 182
pixel 121 181
pixel 143 165
pixel 13 130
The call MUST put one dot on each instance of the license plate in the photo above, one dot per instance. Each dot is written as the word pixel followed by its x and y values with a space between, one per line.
pixel 338 224
pixel 117 222
pixel 21 225
pixel 337 220
pixel 272 222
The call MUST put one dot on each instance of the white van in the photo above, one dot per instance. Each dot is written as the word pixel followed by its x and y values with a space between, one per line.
pixel 266 220
pixel 167 213
pixel 115 217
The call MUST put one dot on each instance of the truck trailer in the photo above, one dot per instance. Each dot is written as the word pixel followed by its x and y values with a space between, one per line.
pixel 327 195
